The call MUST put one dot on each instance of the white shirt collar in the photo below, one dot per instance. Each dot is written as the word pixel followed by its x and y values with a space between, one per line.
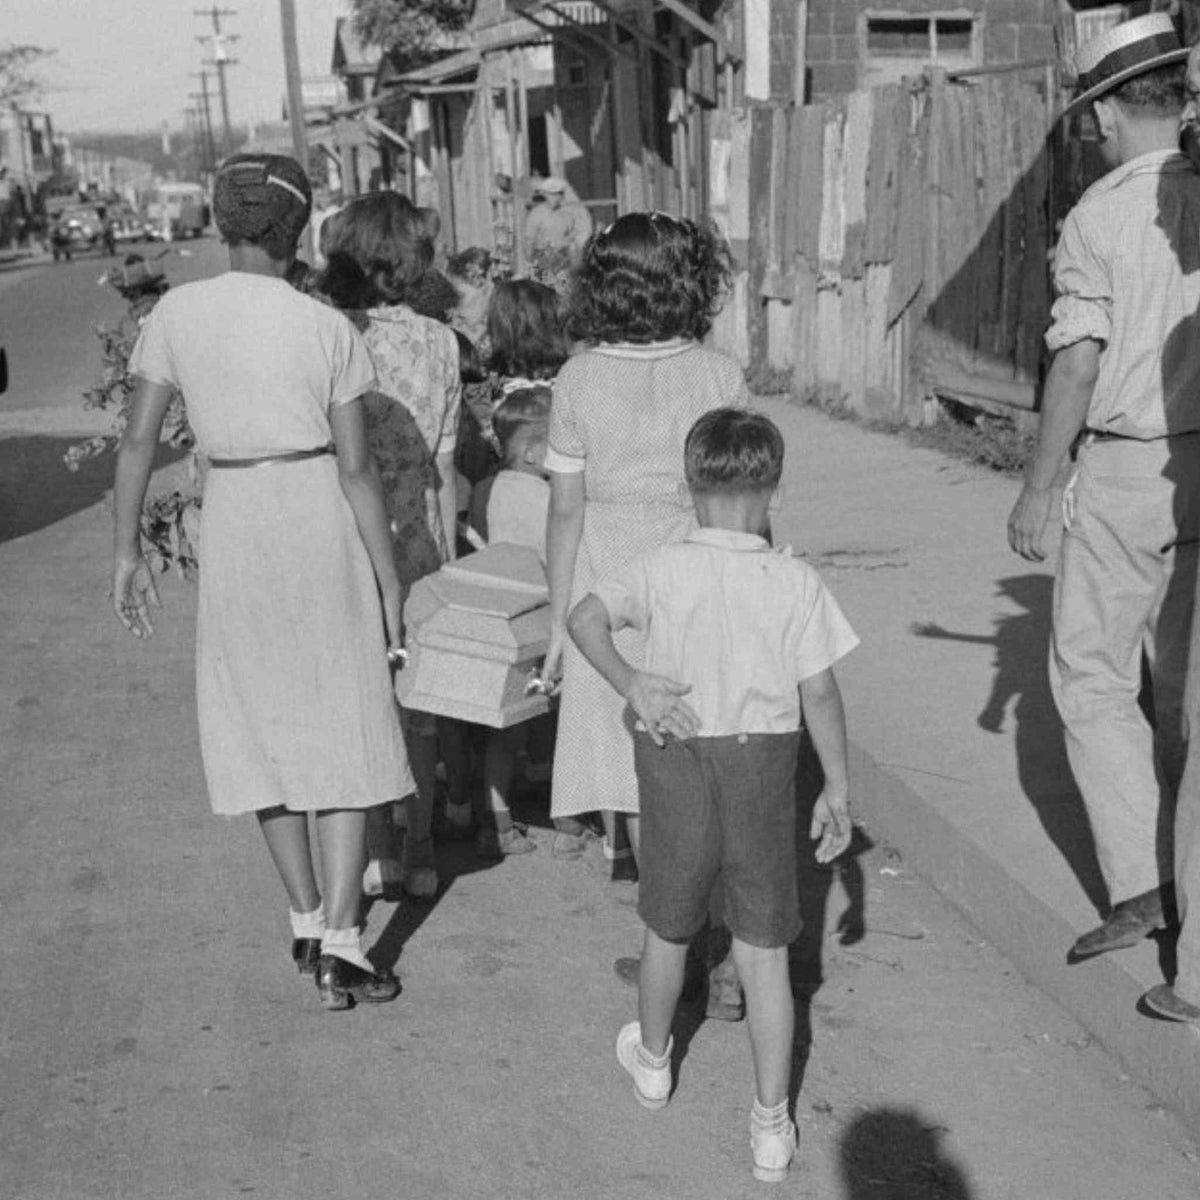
pixel 728 539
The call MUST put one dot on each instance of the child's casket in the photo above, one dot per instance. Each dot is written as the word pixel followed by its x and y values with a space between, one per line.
pixel 476 632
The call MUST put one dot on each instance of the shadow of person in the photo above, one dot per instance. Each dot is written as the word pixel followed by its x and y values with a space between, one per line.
pixel 37 490
pixel 816 881
pixel 896 1154
pixel 1021 642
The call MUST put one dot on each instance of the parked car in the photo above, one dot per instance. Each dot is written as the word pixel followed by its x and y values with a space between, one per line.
pixel 79 227
pixel 127 225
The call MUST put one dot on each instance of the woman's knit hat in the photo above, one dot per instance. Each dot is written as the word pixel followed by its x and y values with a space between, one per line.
pixel 264 199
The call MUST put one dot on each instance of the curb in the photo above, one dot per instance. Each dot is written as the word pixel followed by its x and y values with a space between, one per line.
pixel 1163 1056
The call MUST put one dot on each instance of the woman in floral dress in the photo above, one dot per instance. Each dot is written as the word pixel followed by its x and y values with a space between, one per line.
pixel 379 251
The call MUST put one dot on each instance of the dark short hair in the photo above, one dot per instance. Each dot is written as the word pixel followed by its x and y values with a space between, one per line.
pixel 649 277
pixel 1157 92
pixel 470 361
pixel 733 450
pixel 384 236
pixel 473 264
pixel 262 200
pixel 522 409
pixel 525 328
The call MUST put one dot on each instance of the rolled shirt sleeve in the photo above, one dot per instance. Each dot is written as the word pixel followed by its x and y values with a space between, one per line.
pixel 1083 287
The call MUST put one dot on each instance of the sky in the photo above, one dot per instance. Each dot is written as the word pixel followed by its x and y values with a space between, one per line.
pixel 124 65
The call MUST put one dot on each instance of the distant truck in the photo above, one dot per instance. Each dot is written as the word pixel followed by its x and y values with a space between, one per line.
pixel 176 210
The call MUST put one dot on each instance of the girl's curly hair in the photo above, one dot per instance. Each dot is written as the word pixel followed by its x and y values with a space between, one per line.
pixel 383 235
pixel 649 277
pixel 525 328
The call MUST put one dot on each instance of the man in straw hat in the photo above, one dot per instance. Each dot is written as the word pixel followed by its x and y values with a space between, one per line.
pixel 1124 387
pixel 1182 1002
pixel 556 223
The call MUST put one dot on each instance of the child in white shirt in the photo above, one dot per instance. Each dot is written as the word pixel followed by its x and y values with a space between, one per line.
pixel 740 642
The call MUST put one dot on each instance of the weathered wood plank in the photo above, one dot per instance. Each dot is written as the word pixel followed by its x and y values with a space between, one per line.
pixel 855 157
pixel 883 172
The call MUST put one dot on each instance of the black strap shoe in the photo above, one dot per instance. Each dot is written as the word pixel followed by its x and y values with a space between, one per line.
pixel 341 983
pixel 306 954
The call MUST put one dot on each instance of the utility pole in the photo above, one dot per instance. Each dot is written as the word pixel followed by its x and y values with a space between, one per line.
pixel 201 97
pixel 220 59
pixel 295 98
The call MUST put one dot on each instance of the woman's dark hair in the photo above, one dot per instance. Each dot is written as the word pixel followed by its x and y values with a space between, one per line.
pixel 378 251
pixel 470 362
pixel 525 328
pixel 649 277
pixel 733 450
pixel 262 200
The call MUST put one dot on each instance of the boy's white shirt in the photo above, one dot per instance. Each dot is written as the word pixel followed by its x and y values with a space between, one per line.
pixel 740 622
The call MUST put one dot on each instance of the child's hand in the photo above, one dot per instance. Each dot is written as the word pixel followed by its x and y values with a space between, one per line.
pixel 657 702
pixel 830 823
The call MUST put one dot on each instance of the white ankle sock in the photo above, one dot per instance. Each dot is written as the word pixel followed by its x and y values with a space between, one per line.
pixel 344 944
pixel 649 1060
pixel 613 855
pixel 770 1120
pixel 309 924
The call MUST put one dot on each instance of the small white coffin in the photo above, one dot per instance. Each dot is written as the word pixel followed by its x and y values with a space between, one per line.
pixel 476 633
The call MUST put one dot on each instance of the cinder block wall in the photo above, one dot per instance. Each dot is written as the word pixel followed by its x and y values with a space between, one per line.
pixel 1013 31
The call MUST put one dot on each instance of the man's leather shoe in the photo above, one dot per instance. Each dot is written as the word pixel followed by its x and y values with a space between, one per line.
pixel 1163 1001
pixel 306 954
pixel 1127 924
pixel 340 982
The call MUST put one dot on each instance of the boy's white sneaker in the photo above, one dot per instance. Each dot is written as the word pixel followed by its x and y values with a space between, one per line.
pixel 773 1153
pixel 651 1084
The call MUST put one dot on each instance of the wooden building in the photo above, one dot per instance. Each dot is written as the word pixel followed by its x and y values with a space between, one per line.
pixel 614 96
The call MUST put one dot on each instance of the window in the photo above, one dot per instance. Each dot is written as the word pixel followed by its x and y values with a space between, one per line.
pixel 898 44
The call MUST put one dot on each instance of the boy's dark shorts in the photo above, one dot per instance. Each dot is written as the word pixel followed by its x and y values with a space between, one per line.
pixel 719 807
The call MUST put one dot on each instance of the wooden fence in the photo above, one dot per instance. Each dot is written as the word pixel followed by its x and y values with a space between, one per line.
pixel 895 242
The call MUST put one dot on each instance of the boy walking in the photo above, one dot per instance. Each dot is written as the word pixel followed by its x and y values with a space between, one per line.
pixel 741 641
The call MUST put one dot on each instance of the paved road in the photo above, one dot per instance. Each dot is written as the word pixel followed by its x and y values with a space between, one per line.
pixel 155 1041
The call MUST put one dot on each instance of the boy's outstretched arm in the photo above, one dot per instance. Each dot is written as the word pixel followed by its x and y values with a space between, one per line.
pixel 657 701
pixel 826 720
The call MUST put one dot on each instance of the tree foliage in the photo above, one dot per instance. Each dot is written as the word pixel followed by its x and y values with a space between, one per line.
pixel 413 30
pixel 19 79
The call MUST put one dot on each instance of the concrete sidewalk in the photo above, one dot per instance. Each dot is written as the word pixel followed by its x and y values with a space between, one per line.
pixel 959 751
pixel 155 1041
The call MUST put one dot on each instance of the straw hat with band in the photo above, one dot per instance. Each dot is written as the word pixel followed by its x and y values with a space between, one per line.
pixel 1129 49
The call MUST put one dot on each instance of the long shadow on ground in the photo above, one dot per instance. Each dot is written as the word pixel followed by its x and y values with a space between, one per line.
pixel 37 490
pixel 1022 642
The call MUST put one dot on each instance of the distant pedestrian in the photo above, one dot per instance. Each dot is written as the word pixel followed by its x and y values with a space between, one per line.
pixel 739 641
pixel 1125 387
pixel 554 222
pixel 298 589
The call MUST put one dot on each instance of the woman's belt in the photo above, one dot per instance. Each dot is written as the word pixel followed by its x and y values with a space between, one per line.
pixel 267 459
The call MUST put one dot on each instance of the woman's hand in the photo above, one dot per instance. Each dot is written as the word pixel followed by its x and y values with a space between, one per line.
pixel 551 672
pixel 133 592
pixel 393 617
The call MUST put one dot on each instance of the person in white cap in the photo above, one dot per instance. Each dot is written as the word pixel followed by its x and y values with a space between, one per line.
pixel 1124 389
pixel 555 223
